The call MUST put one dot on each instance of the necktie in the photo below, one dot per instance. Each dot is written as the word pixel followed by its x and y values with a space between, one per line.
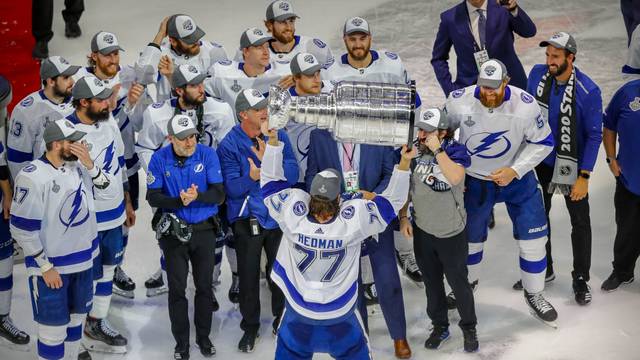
pixel 347 156
pixel 482 27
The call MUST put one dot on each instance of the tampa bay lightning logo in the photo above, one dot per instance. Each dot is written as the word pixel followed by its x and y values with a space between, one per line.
pixel 526 98
pixel 29 168
pixel 456 94
pixel 302 143
pixel 319 43
pixel 27 102
pixel 198 168
pixel 299 208
pixel 74 211
pixel 392 56
pixel 157 105
pixel 488 145
pixel 348 212
pixel 109 153
pixel 224 62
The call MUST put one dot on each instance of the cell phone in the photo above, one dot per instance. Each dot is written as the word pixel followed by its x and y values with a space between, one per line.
pixel 254 226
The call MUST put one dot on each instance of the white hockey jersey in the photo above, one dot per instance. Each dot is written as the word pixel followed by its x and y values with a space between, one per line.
pixel 385 67
pixel 299 134
pixel 129 119
pixel 53 211
pixel 210 53
pixel 217 118
pixel 317 264
pixel 515 134
pixel 303 44
pixel 227 78
pixel 26 126
pixel 107 151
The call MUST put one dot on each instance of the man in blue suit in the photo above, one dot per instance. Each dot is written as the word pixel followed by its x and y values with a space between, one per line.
pixel 373 165
pixel 479 30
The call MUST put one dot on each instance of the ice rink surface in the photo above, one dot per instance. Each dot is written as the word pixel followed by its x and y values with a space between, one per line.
pixel 609 328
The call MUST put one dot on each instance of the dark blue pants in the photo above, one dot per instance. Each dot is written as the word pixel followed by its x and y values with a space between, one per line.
pixel 385 274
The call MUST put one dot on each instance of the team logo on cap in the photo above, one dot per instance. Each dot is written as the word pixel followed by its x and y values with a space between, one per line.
pixel 283 6
pixel 490 70
pixel 68 124
pixel 557 36
pixel 64 61
pixel 187 25
pixel 428 115
pixel 309 59
pixel 192 69
pixel 183 122
pixel 108 38
pixel 258 32
pixel 97 82
pixel 357 22
pixel 256 93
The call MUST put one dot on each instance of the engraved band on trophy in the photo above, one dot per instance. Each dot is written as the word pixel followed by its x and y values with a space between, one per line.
pixel 357 112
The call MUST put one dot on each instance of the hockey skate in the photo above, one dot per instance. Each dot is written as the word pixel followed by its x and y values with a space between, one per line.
pixel 11 336
pixel 155 285
pixel 407 263
pixel 100 336
pixel 122 284
pixel 541 309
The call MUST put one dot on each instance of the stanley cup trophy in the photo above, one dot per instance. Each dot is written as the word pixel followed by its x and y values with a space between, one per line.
pixel 356 112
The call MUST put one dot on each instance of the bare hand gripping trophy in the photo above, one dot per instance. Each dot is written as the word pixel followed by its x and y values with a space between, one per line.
pixel 357 112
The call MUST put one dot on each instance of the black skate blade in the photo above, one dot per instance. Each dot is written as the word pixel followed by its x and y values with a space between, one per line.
pixel 5 343
pixel 553 324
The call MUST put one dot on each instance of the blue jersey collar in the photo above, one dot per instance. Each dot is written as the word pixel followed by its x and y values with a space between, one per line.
pixel 241 67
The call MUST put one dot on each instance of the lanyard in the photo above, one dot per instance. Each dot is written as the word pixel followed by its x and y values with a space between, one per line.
pixel 350 158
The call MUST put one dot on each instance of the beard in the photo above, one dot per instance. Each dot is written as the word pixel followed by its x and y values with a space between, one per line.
pixel 191 101
pixel 190 50
pixel 97 116
pixel 61 92
pixel 359 57
pixel 491 103
pixel 110 70
pixel 68 156
pixel 284 38
pixel 560 69
pixel 183 151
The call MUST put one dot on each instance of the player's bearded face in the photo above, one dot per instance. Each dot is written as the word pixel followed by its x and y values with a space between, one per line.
pixel 309 84
pixel 65 152
pixel 98 110
pixel 358 45
pixel 283 31
pixel 557 69
pixel 108 64
pixel 186 147
pixel 182 48
pixel 63 86
pixel 194 95
pixel 492 98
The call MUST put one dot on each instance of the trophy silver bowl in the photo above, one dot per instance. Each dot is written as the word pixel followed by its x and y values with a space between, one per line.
pixel 356 112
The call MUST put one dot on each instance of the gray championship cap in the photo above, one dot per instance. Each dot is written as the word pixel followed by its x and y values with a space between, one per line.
pixel 492 74
pixel 61 129
pixel 56 66
pixel 304 63
pixel 432 119
pixel 187 74
pixel 280 10
pixel 356 24
pixel 326 184
pixel 89 87
pixel 105 43
pixel 253 37
pixel 250 99
pixel 181 127
pixel 183 28
pixel 562 40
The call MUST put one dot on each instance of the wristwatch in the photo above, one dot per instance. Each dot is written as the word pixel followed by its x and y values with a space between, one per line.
pixel 585 175
pixel 437 151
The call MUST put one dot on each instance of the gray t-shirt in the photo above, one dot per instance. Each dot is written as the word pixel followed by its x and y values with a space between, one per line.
pixel 438 207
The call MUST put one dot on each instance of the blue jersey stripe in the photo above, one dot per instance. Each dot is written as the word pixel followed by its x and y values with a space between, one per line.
pixel 18 156
pixel 108 215
pixel 273 187
pixel 25 224
pixel 336 304
pixel 66 260
pixel 385 208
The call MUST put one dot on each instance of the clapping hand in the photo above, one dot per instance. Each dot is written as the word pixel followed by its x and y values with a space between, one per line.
pixel 189 195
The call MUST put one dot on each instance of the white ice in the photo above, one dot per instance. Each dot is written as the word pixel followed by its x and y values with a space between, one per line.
pixel 609 328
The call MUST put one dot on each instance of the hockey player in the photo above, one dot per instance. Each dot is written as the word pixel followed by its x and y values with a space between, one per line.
pixel 92 116
pixel 213 119
pixel 179 41
pixel 53 218
pixel 127 103
pixel 318 261
pixel 506 136
pixel 34 112
pixel 228 78
pixel 9 333
pixel 306 73
pixel 360 63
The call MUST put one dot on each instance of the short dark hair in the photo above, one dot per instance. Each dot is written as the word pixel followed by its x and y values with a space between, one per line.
pixel 321 206
pixel 49 146
pixel 44 81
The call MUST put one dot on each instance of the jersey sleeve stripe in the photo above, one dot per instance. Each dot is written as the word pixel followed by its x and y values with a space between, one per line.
pixel 385 208
pixel 273 187
pixel 66 260
pixel 334 305
pixel 18 156
pixel 25 224
pixel 548 141
pixel 108 215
